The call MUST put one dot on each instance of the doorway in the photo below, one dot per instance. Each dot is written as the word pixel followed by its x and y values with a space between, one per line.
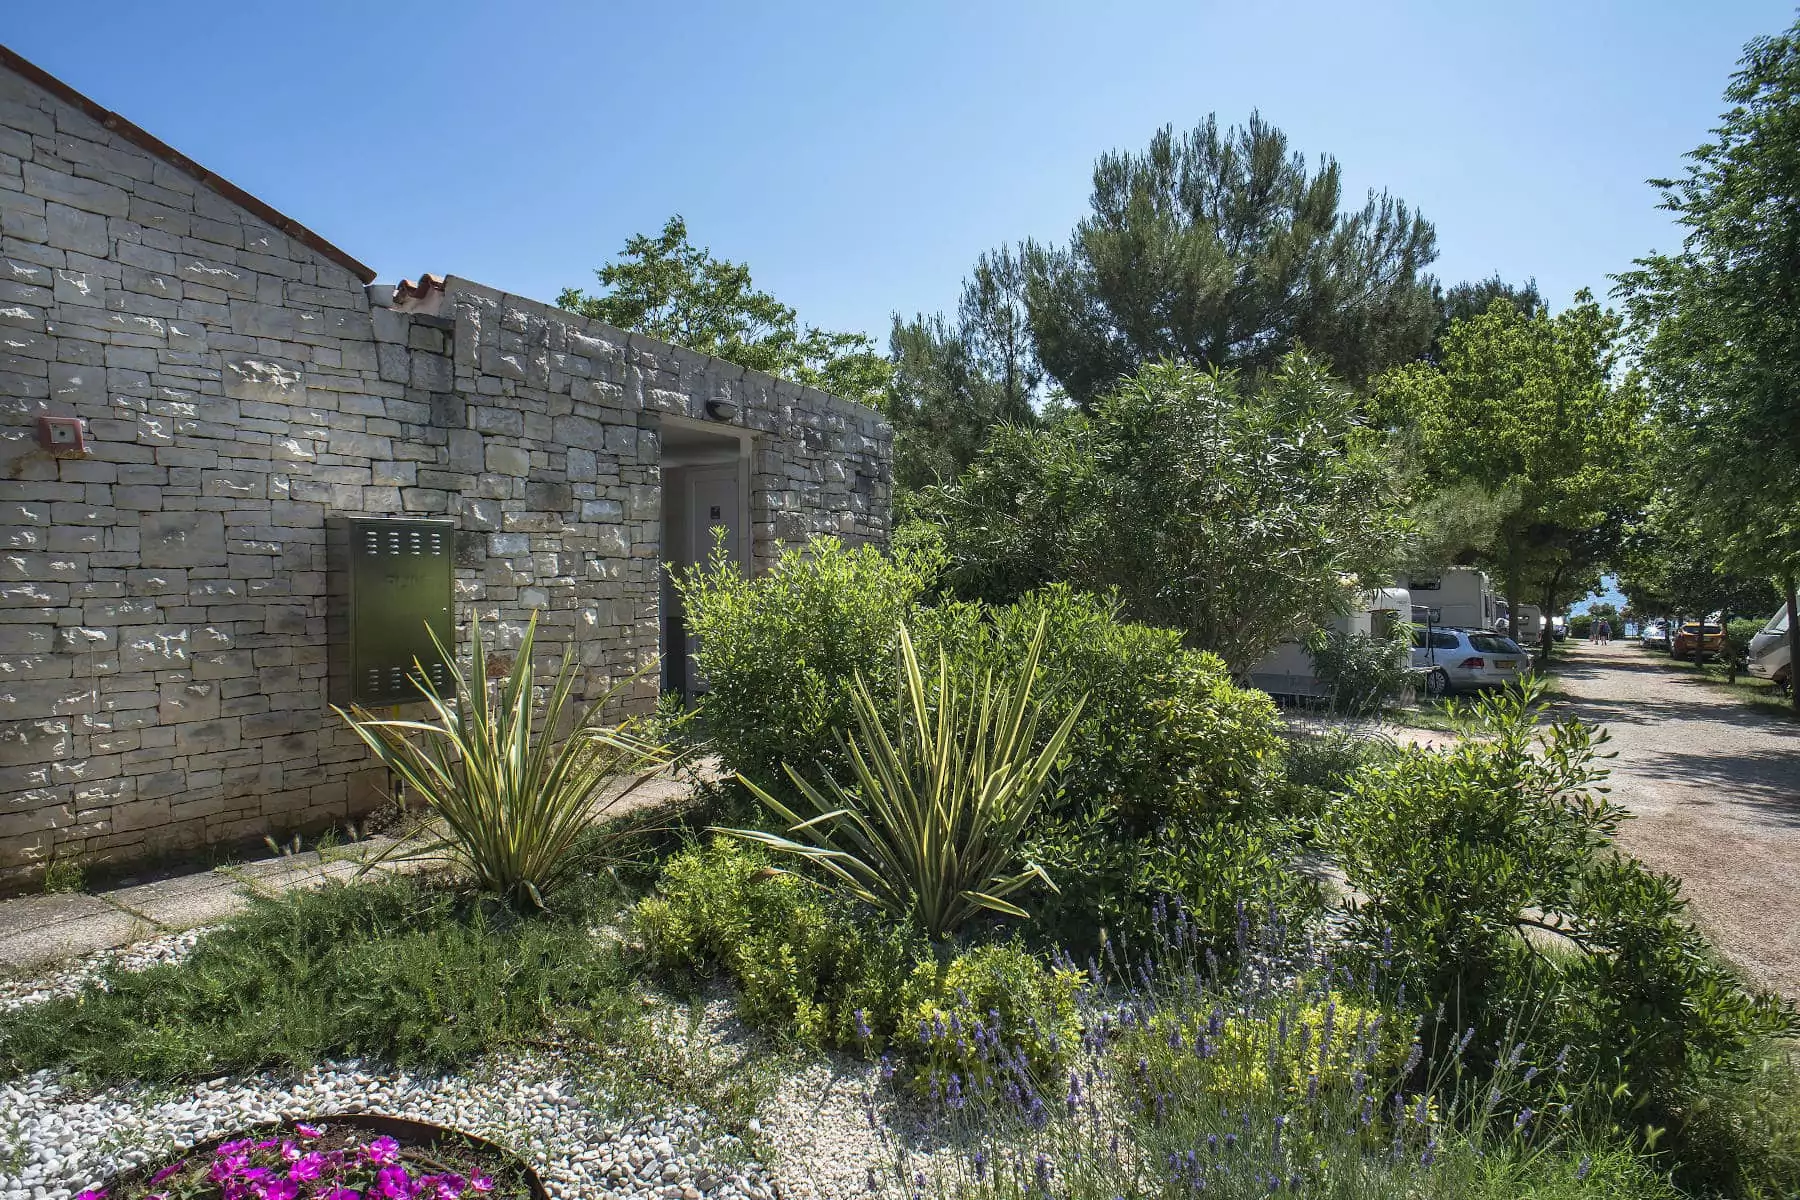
pixel 705 488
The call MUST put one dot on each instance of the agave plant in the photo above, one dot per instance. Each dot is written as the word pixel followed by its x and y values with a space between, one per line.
pixel 930 831
pixel 512 794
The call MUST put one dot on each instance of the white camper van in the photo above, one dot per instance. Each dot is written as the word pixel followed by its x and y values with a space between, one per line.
pixel 1288 670
pixel 1460 597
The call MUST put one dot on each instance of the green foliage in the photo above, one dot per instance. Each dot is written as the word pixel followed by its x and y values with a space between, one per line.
pixel 63 875
pixel 1715 326
pixel 1226 510
pixel 1459 851
pixel 1738 633
pixel 673 290
pixel 984 1015
pixel 1317 765
pixel 944 792
pixel 1163 730
pixel 779 649
pixel 804 967
pixel 400 971
pixel 1492 889
pixel 1523 408
pixel 1362 673
pixel 1295 1048
pixel 1581 624
pixel 954 380
pixel 1220 248
pixel 514 803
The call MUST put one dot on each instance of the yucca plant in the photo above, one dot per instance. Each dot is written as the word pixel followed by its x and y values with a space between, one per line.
pixel 512 793
pixel 930 831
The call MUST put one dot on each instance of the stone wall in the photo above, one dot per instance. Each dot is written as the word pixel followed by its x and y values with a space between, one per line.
pixel 162 598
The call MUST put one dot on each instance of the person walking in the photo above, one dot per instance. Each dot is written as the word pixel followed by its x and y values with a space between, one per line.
pixel 1605 631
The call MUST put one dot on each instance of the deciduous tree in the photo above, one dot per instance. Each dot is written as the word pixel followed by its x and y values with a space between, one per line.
pixel 1231 511
pixel 1524 411
pixel 667 287
pixel 1719 323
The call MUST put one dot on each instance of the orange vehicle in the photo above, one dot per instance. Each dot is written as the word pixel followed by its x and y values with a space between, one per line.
pixel 1711 638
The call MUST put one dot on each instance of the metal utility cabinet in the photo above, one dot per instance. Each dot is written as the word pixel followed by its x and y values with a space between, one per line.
pixel 390 589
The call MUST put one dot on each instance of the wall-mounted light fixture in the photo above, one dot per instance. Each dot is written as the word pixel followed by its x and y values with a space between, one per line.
pixel 64 437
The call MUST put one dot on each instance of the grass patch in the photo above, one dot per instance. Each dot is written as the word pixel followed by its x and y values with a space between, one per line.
pixel 402 971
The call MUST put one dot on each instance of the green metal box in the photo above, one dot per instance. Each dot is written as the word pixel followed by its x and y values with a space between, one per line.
pixel 390 587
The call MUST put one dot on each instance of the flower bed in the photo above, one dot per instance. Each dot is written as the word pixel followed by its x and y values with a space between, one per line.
pixel 339 1158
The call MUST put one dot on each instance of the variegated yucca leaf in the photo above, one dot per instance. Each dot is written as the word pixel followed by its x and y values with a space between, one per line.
pixel 942 795
pixel 512 782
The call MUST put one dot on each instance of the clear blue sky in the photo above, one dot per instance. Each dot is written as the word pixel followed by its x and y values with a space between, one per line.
pixel 859 156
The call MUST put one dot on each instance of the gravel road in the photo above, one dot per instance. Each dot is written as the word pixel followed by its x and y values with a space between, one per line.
pixel 1715 788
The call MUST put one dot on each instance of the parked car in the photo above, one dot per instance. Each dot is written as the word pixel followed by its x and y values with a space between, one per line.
pixel 1770 656
pixel 1711 639
pixel 1656 635
pixel 1559 628
pixel 1456 660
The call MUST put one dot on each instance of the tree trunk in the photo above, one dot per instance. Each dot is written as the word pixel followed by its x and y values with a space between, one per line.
pixel 1547 635
pixel 1793 633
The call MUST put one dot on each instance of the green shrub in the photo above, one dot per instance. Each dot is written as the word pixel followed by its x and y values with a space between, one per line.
pixel 1581 624
pixel 1317 764
pixel 1492 889
pixel 400 971
pixel 930 831
pixel 803 965
pixel 1163 728
pixel 1738 632
pixel 989 1016
pixel 1362 674
pixel 778 650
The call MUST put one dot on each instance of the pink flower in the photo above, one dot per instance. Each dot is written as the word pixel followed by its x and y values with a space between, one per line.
pixel 171 1169
pixel 343 1193
pixel 444 1187
pixel 393 1183
pixel 382 1150
pixel 307 1167
pixel 92 1194
pixel 278 1189
pixel 308 1131
pixel 481 1183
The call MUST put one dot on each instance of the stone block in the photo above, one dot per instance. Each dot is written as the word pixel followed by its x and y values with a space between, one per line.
pixel 266 380
pixel 195 539
pixel 509 460
pixel 77 230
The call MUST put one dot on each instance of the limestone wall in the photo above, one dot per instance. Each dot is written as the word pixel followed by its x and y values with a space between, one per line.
pixel 162 599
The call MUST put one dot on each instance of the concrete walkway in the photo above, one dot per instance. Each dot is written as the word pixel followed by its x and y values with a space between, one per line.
pixel 36 931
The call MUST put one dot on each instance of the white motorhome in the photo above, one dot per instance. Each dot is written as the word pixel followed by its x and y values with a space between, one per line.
pixel 1288 670
pixel 1460 597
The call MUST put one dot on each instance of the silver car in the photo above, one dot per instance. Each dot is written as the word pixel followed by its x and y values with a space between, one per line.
pixel 1460 660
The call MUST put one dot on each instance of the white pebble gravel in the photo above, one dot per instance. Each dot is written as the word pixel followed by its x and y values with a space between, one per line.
pixel 72 976
pixel 63 1141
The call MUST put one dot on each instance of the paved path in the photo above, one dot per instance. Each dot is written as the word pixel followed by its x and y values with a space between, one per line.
pixel 37 930
pixel 1715 788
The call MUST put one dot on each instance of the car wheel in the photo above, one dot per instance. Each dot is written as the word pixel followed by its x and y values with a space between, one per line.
pixel 1437 683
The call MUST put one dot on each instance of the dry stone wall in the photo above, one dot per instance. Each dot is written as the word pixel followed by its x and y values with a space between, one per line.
pixel 162 598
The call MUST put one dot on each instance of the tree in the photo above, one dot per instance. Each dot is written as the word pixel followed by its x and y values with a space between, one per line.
pixel 1235 512
pixel 954 381
pixel 670 289
pixel 1719 324
pixel 1673 567
pixel 1221 249
pixel 1471 298
pixel 1524 414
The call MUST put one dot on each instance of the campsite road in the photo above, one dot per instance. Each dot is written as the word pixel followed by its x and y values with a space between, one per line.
pixel 1714 785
